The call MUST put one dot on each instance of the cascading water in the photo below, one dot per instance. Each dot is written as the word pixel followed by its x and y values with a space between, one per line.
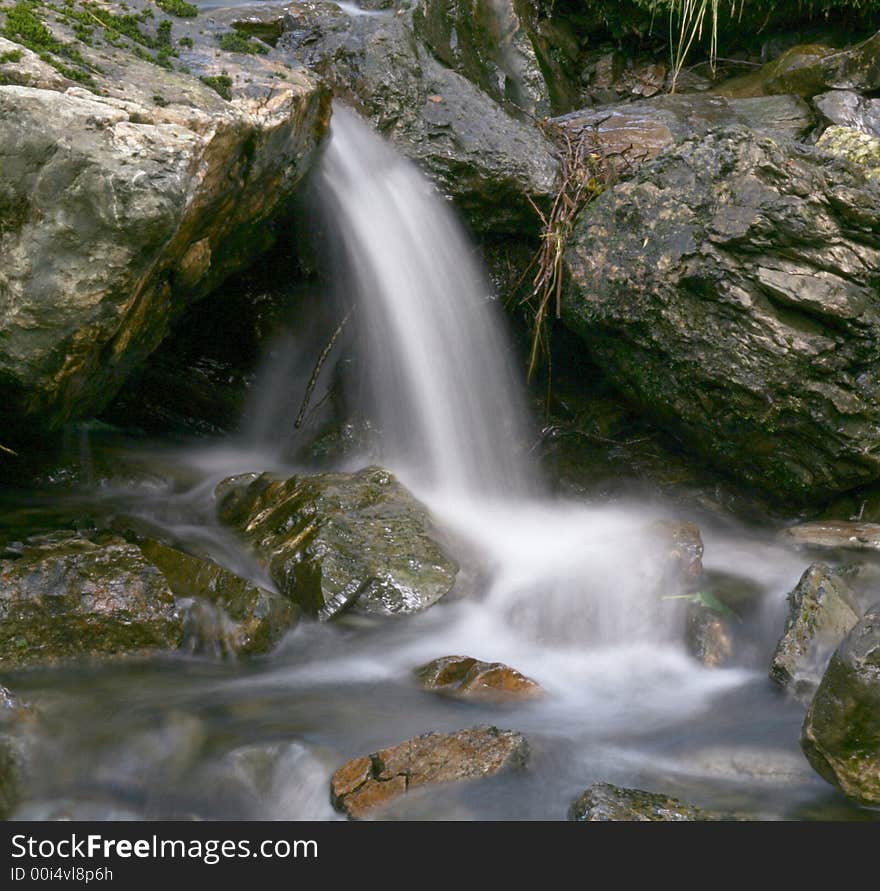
pixel 435 353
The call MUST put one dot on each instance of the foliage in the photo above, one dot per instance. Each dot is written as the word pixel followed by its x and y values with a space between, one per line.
pixel 220 83
pixel 11 56
pixel 235 42
pixel 179 8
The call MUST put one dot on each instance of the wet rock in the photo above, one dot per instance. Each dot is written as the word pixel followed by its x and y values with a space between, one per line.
pixel 365 784
pixel 338 541
pixel 13 712
pixel 67 595
pixel 129 192
pixel 709 634
pixel 859 149
pixel 683 546
pixel 487 161
pixel 821 612
pixel 835 534
pixel 603 803
pixel 849 109
pixel 465 678
pixel 841 732
pixel 634 133
pixel 706 290
pixel 251 619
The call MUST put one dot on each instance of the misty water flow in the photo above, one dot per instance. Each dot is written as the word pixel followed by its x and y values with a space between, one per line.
pixel 575 595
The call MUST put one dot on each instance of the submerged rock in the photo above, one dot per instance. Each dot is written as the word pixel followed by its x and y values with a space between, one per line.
pixel 709 634
pixel 487 161
pixel 683 545
pixel 338 541
pixel 365 784
pixel 133 183
pixel 603 803
pixel 841 732
pixel 250 620
pixel 727 290
pixel 68 595
pixel 821 612
pixel 12 713
pixel 465 678
pixel 848 535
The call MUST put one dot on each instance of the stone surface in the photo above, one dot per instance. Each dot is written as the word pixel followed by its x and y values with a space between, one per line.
pixel 849 109
pixel 487 161
pixel 860 149
pixel 248 619
pixel 821 611
pixel 727 290
pixel 338 541
pixel 465 678
pixel 709 635
pixel 683 545
pixel 361 786
pixel 834 535
pixel 841 733
pixel 603 803
pixel 68 595
pixel 130 193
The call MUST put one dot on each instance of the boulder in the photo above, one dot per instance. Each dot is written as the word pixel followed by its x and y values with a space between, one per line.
pixel 69 595
pixel 849 109
pixel 361 786
pixel 13 712
pixel 462 677
pixel 683 548
pixel 245 620
pixel 729 290
pixel 477 154
pixel 336 541
pixel 632 133
pixel 850 535
pixel 709 634
pixel 822 610
pixel 142 163
pixel 604 803
pixel 862 150
pixel 841 732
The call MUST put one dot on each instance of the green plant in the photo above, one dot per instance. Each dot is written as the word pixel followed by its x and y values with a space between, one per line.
pixel 707 601
pixel 220 83
pixel 179 8
pixel 11 56
pixel 234 42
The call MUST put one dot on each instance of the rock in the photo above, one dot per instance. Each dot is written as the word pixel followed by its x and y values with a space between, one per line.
pixel 68 595
pixel 683 545
pixel 821 612
pixel 129 189
pixel 835 534
pixel 603 803
pixel 465 678
pixel 13 712
pixel 726 290
pixel 338 541
pixel 636 132
pixel 841 733
pixel 251 619
pixel 849 109
pixel 860 149
pixel 485 160
pixel 709 635
pixel 364 784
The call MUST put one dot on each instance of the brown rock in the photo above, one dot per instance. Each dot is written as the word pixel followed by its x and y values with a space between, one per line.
pixel 362 785
pixel 832 534
pixel 685 548
pixel 466 678
pixel 709 635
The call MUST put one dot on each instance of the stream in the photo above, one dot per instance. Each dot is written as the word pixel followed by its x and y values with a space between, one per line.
pixel 565 591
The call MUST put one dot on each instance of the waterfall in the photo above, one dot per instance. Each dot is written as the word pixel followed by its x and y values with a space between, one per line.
pixel 437 360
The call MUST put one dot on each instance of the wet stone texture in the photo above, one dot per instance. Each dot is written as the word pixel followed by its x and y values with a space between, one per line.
pixel 462 677
pixel 365 784
pixel 603 803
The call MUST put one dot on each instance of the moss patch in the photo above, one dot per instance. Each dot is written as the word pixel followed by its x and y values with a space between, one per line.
pixel 220 83
pixel 235 42
pixel 179 8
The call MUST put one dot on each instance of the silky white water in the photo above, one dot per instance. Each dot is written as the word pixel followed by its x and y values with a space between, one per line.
pixel 572 594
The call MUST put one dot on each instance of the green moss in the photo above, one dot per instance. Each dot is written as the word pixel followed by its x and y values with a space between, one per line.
pixel 234 42
pixel 11 56
pixel 220 83
pixel 179 8
pixel 186 42
pixel 163 33
pixel 159 100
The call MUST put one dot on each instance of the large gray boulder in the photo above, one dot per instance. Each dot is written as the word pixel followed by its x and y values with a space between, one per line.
pixel 483 158
pixel 341 541
pixel 841 732
pixel 138 172
pixel 730 289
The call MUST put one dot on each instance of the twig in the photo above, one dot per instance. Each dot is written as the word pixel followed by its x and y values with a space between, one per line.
pixel 7 451
pixel 316 371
